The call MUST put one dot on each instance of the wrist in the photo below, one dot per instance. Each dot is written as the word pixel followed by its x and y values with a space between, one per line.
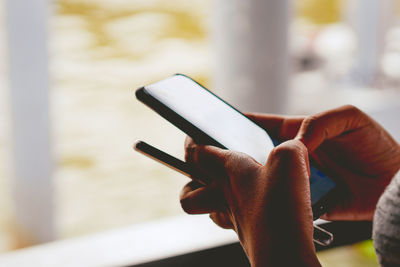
pixel 280 248
pixel 284 255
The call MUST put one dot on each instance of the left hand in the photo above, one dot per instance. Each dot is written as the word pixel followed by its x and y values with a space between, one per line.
pixel 268 206
pixel 349 146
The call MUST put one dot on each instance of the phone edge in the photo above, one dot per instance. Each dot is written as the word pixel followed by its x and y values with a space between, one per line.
pixel 175 119
pixel 166 160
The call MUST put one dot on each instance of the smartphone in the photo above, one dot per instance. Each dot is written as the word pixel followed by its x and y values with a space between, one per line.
pixel 210 120
pixel 169 161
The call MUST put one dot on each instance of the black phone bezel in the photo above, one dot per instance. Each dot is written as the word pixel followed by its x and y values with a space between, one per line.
pixel 200 137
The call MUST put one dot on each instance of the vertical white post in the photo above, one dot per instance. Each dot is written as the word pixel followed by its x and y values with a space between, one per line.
pixel 29 84
pixel 371 21
pixel 251 53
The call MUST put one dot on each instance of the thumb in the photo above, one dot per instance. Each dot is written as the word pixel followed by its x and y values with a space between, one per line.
pixel 289 165
pixel 315 129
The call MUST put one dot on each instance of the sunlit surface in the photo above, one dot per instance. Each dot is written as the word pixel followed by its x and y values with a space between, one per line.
pixel 102 51
pixel 358 255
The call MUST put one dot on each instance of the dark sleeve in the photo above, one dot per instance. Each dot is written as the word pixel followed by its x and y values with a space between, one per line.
pixel 386 225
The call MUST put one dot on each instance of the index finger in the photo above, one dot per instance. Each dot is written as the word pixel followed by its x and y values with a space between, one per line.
pixel 189 146
pixel 332 123
pixel 277 126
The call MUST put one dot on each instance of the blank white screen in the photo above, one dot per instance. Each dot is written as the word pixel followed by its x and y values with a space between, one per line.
pixel 208 113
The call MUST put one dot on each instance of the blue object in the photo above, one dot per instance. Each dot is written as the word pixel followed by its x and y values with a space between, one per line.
pixel 320 184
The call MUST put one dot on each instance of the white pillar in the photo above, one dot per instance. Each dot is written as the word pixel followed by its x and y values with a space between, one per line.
pixel 29 91
pixel 371 19
pixel 251 53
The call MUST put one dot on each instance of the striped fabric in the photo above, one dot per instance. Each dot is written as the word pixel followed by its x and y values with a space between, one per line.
pixel 386 226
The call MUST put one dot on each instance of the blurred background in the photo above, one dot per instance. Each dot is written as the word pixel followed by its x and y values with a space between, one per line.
pixel 68 115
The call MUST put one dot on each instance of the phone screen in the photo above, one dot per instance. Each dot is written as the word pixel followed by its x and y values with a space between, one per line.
pixel 223 123
pixel 214 117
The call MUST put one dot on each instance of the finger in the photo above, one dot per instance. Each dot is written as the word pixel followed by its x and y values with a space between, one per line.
pixel 288 166
pixel 195 174
pixel 291 155
pixel 326 125
pixel 278 127
pixel 197 199
pixel 210 161
pixel 288 174
pixel 189 187
pixel 221 219
pixel 189 146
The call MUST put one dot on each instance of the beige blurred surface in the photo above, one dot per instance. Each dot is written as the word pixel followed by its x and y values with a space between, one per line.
pixel 101 51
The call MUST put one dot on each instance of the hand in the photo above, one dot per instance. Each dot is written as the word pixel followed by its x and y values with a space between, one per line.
pixel 351 148
pixel 268 206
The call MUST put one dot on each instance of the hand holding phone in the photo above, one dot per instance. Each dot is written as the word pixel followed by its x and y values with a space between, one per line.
pixel 210 120
pixel 274 194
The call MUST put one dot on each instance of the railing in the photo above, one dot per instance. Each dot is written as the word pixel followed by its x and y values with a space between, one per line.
pixel 180 241
pixel 30 120
pixel 233 255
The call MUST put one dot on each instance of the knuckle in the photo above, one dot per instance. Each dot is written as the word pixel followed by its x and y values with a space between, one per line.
pixel 310 122
pixel 353 111
pixel 190 152
pixel 351 108
pixel 289 150
pixel 283 151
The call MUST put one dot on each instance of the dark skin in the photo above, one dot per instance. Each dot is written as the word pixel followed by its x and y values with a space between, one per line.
pixel 269 205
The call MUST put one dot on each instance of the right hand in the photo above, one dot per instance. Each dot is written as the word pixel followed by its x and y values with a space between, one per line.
pixel 268 206
pixel 350 147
